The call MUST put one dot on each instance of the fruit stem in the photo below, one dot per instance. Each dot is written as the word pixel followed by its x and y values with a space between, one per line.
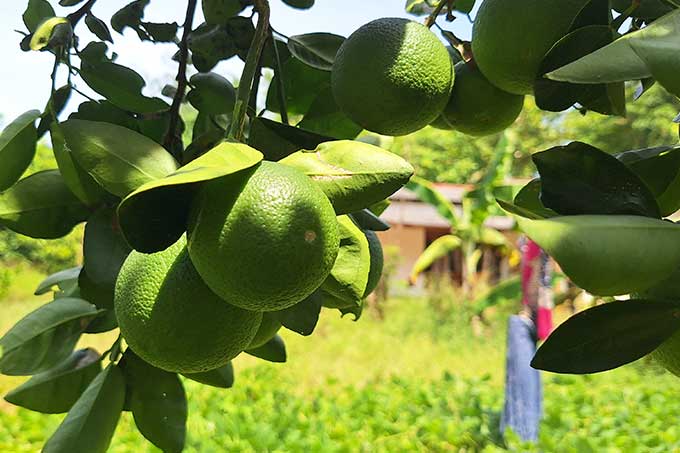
pixel 238 119
pixel 430 20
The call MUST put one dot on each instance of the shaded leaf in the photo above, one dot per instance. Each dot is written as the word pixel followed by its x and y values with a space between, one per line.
pixel 277 140
pixel 56 103
pixel 221 377
pixel 130 15
pixel 44 337
pixel 212 94
pixel 369 221
pixel 119 159
pixel 272 351
pixel 439 248
pixel 36 12
pixel 91 422
pixel 104 248
pixel 303 316
pixel 299 4
pixel 608 336
pixel 161 32
pixel 302 84
pixel 529 197
pixel 352 174
pixel 17 148
pixel 326 118
pixel 57 279
pixel 57 389
pixel 316 49
pixel 98 27
pixel 218 12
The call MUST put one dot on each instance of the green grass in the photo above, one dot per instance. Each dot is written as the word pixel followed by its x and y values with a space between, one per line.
pixel 417 381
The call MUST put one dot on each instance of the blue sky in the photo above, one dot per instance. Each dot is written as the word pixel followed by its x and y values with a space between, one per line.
pixel 24 77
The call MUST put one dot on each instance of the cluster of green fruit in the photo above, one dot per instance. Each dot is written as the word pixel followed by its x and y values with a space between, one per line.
pixel 259 242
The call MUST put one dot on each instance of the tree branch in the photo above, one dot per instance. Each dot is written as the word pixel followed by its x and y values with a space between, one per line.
pixel 171 135
pixel 433 16
pixel 238 119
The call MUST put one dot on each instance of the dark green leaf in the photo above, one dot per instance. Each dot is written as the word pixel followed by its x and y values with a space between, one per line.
pixel 218 12
pixel 161 32
pixel 529 197
pixel 41 206
pixel 154 216
pixel 57 102
pixel 212 94
pixel 70 2
pixel 299 4
pixel 369 221
pixel 52 33
pixel 325 117
pixel 647 9
pixel 119 159
pixel 44 337
pixel 352 174
pixel 17 148
pixel 273 351
pixel 213 43
pixel 316 49
pixel 57 279
pixel 104 248
pixel 104 112
pixel 36 12
pixel 157 401
pixel 302 84
pixel 278 140
pixel 608 336
pixel 130 15
pixel 57 389
pixel 221 377
pixel 594 12
pixel 98 27
pixel 303 316
pixel 581 179
pixel 91 422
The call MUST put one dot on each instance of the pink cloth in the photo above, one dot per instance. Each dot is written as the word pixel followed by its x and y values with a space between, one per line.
pixel 536 286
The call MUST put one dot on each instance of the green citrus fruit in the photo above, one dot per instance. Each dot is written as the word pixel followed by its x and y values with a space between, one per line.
pixel 264 240
pixel 510 38
pixel 170 318
pixel 269 326
pixel 392 76
pixel 477 107
pixel 375 249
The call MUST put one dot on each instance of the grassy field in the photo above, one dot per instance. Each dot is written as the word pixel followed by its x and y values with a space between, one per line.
pixel 419 380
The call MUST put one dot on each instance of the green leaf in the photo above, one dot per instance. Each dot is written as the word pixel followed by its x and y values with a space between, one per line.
pixel 491 237
pixel 273 351
pixel 326 118
pixel 161 32
pixel 56 390
pixel 302 84
pixel 427 193
pixel 529 197
pixel 56 103
pixel 218 12
pixel 650 52
pixel 121 86
pixel 130 15
pixel 439 248
pixel 221 377
pixel 154 216
pixel 41 206
pixel 299 4
pixel 44 337
pixel 647 9
pixel 104 248
pixel 91 422
pixel 57 279
pixel 349 276
pixel 119 159
pixel 352 174
pixel 69 2
pixel 316 49
pixel 520 211
pixel 51 33
pixel 659 169
pixel 98 27
pixel 277 140
pixel 157 401
pixel 104 112
pixel 369 221
pixel 303 316
pixel 36 12
pixel 17 148
pixel 608 336
pixel 609 255
pixel 212 94
pixel 581 179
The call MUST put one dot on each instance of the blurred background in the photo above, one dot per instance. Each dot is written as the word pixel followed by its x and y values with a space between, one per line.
pixel 423 369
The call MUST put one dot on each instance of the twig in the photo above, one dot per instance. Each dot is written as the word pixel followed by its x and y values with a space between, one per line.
pixel 171 135
pixel 278 72
pixel 75 17
pixel 238 122
pixel 252 103
pixel 433 16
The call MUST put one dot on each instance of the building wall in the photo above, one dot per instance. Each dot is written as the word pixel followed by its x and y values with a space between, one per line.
pixel 411 242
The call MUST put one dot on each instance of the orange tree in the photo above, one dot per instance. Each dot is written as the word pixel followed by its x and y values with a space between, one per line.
pixel 198 250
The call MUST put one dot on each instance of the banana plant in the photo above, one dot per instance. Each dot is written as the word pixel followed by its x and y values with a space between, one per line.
pixel 467 221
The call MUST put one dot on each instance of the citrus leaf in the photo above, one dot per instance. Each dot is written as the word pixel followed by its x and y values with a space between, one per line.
pixel 154 216
pixel 529 197
pixel 41 206
pixel 428 193
pixel 129 15
pixel 277 140
pixel 161 32
pixel 218 12
pixel 212 94
pixel 520 211
pixel 17 148
pixel 316 49
pixel 353 175
pixel 650 52
pixel 121 86
pixel 157 401
pixel 119 159
pixel 56 390
pixel 439 248
pixel 104 248
pixel 48 30
pixel 36 12
pixel 221 377
pixel 581 179
pixel 272 351
pixel 55 105
pixel 44 337
pixel 303 316
pixel 608 336
pixel 57 279
pixel 299 4
pixel 78 180
pixel 302 84
pixel 659 169
pixel 91 422
pixel 369 221
pixel 349 276
pixel 98 27
pixel 326 118
pixel 609 255
pixel 70 2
